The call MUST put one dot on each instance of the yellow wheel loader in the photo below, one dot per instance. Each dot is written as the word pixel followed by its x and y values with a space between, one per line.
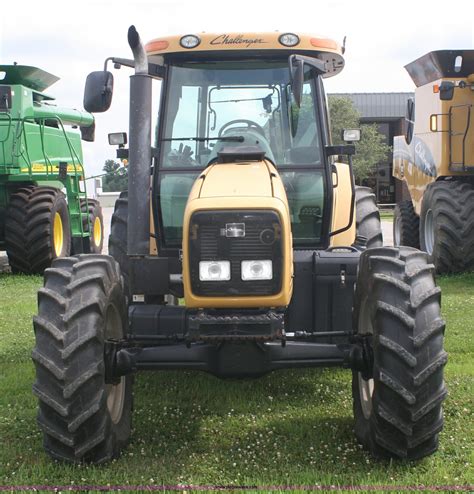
pixel 435 158
pixel 241 209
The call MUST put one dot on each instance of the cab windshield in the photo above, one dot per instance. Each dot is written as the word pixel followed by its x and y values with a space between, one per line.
pixel 214 105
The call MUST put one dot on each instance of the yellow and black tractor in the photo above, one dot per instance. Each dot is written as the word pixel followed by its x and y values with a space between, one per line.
pixel 241 247
pixel 435 158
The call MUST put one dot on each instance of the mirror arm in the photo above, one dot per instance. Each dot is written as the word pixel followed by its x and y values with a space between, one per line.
pixel 154 69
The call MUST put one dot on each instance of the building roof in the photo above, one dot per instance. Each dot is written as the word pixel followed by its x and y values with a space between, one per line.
pixel 383 106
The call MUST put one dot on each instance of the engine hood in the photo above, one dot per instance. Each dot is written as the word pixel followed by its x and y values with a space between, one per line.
pixel 248 179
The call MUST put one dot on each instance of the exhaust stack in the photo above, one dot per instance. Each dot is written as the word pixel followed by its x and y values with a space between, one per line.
pixel 139 151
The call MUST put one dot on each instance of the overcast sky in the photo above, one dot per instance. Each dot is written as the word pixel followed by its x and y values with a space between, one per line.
pixel 72 38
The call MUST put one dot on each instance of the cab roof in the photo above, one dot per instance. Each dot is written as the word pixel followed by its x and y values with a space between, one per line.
pixel 254 44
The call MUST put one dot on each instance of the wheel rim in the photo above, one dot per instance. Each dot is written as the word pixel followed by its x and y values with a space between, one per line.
pixel 97 232
pixel 58 234
pixel 115 392
pixel 366 386
pixel 429 231
pixel 397 231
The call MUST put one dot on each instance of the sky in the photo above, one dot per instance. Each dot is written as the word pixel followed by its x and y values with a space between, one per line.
pixel 72 38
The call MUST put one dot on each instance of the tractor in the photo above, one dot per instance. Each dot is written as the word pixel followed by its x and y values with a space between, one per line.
pixel 241 247
pixel 44 209
pixel 435 159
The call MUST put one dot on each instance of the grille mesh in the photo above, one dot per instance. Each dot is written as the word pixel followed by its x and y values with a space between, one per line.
pixel 210 244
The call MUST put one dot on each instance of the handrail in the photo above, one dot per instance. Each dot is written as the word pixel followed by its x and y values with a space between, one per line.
pixel 76 161
pixel 453 134
pixel 10 120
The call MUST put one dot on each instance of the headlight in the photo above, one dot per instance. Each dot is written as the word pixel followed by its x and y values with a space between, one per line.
pixel 214 271
pixel 289 39
pixel 189 41
pixel 256 270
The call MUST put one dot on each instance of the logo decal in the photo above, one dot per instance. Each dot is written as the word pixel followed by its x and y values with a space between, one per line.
pixel 424 159
pixel 416 154
pixel 225 39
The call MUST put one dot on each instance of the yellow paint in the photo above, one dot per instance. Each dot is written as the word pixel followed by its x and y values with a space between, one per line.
pixel 267 194
pixel 97 231
pixel 227 181
pixel 428 103
pixel 341 207
pixel 325 49
pixel 41 168
pixel 58 234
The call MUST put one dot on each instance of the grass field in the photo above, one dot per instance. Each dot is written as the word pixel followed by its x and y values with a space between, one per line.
pixel 386 215
pixel 290 427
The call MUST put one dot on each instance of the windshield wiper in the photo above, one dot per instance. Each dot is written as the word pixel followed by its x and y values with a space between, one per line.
pixel 204 139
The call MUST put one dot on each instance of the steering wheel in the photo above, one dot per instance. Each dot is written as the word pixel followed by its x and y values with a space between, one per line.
pixel 250 124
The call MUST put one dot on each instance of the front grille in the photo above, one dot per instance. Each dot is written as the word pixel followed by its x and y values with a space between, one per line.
pixel 208 242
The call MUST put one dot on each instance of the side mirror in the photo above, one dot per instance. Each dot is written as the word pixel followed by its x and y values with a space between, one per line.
pixel 98 91
pixel 446 91
pixel 297 79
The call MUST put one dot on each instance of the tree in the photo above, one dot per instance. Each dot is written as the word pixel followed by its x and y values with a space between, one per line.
pixel 115 178
pixel 371 149
pixel 344 115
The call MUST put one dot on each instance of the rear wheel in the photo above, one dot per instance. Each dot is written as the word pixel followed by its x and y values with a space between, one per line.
pixel 118 236
pixel 368 222
pixel 36 228
pixel 82 305
pixel 397 401
pixel 406 225
pixel 447 225
pixel 96 222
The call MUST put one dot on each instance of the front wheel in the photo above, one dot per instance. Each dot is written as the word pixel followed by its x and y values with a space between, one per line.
pixel 80 308
pixel 36 228
pixel 398 399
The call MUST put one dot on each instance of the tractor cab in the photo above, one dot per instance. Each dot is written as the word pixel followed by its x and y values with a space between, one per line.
pixel 234 92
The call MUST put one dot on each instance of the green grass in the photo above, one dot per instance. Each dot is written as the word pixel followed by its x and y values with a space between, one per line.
pixel 290 427
pixel 386 215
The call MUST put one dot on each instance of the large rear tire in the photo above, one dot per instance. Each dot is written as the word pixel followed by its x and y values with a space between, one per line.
pixel 406 225
pixel 397 403
pixel 82 305
pixel 368 222
pixel 118 236
pixel 36 229
pixel 447 225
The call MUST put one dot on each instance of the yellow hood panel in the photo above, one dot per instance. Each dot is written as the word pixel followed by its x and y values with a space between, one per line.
pixel 237 180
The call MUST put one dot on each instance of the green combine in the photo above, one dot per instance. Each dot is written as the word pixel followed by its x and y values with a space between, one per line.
pixel 44 209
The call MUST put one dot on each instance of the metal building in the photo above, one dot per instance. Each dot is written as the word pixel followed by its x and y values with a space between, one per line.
pixel 388 111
